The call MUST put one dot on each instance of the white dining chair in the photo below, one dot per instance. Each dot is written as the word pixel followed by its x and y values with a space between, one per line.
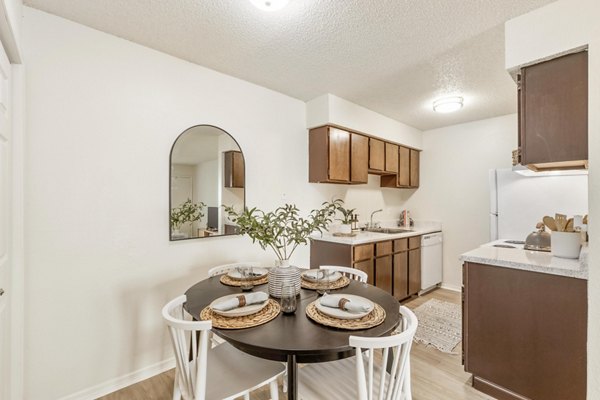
pixel 222 269
pixel 365 376
pixel 352 273
pixel 222 372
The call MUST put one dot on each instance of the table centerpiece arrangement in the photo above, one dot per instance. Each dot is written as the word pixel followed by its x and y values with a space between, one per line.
pixel 283 230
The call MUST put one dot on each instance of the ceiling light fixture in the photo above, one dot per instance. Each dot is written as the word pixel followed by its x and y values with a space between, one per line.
pixel 448 104
pixel 269 5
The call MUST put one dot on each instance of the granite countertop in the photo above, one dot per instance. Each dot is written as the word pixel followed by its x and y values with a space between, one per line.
pixel 420 228
pixel 526 260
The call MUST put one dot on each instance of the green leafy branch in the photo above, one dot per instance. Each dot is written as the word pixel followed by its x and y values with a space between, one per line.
pixel 346 214
pixel 186 212
pixel 282 230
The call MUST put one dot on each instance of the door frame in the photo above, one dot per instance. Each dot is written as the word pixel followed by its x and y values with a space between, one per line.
pixel 10 22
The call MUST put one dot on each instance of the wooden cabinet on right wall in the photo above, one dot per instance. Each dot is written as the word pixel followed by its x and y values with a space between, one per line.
pixel 553 113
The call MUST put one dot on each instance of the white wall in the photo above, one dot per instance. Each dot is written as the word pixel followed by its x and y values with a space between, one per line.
pixel 103 114
pixel 330 109
pixel 543 33
pixel 454 183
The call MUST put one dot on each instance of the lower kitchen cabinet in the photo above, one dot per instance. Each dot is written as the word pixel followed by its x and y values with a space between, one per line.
pixel 392 265
pixel 367 267
pixel 414 271
pixel 524 333
pixel 401 275
pixel 383 273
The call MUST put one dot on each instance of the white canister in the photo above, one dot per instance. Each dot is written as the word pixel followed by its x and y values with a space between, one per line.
pixel 345 229
pixel 565 244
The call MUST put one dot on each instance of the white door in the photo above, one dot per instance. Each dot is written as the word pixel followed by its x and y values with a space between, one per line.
pixel 5 223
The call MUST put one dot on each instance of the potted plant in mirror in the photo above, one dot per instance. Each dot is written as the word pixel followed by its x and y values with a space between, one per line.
pixel 282 230
pixel 187 212
pixel 346 220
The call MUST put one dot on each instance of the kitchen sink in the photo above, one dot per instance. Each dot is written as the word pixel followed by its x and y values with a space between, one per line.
pixel 389 230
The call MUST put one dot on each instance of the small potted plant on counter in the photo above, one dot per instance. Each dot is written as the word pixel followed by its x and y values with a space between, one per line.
pixel 186 212
pixel 346 220
pixel 282 230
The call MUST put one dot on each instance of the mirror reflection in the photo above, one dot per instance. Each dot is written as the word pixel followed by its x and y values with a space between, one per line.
pixel 207 171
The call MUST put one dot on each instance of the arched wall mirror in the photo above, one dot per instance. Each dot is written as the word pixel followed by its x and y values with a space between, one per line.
pixel 207 170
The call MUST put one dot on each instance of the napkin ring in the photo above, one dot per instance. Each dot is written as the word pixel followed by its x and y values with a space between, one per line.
pixel 242 300
pixel 342 303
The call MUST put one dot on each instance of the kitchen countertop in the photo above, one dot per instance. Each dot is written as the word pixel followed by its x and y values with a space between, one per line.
pixel 526 260
pixel 420 228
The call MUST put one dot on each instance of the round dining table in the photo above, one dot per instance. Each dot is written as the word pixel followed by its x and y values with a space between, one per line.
pixel 294 338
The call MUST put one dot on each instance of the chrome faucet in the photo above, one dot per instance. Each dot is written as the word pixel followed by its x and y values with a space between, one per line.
pixel 371 225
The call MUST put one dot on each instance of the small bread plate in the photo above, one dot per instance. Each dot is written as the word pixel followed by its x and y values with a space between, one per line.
pixel 239 311
pixel 316 276
pixel 343 314
pixel 257 273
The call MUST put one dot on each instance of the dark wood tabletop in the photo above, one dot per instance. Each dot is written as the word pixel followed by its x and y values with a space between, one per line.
pixel 294 334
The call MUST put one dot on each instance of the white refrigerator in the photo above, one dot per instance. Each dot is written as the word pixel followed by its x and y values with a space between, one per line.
pixel 518 203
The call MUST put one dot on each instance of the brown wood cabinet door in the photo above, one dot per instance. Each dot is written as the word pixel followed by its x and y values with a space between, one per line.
pixel 554 108
pixel 363 252
pixel 339 155
pixel 318 155
pixel 383 248
pixel 404 166
pixel 376 154
pixel 329 253
pixel 400 245
pixel 414 242
pixel 366 266
pixel 359 159
pixel 414 271
pixel 238 169
pixel 383 273
pixel 526 332
pixel 414 167
pixel 391 157
pixel 401 275
pixel 233 165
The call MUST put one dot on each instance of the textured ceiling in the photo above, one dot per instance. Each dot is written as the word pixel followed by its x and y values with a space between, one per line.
pixel 392 56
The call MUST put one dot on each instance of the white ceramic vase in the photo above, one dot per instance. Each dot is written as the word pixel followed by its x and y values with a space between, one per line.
pixel 283 273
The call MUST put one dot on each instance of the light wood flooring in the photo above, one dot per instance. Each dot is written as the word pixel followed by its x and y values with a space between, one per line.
pixel 435 375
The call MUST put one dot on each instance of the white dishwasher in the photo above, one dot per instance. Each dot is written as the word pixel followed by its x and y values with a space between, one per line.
pixel 431 261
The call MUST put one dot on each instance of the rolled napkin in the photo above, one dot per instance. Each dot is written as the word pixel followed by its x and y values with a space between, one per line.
pixel 240 301
pixel 317 274
pixel 339 301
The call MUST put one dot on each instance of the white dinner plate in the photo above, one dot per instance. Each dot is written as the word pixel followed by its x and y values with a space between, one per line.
pixel 343 314
pixel 239 311
pixel 311 276
pixel 258 273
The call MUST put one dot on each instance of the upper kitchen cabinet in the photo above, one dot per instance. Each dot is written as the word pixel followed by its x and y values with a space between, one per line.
pixel 376 156
pixel 337 156
pixel 414 168
pixel 234 174
pixel 391 157
pixel 553 113
pixel 407 175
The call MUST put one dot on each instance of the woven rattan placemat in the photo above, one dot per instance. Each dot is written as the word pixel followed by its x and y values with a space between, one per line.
pixel 265 315
pixel 340 283
pixel 374 318
pixel 229 281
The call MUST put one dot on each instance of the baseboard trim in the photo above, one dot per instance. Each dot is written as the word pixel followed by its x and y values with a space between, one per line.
pixel 450 287
pixel 121 382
